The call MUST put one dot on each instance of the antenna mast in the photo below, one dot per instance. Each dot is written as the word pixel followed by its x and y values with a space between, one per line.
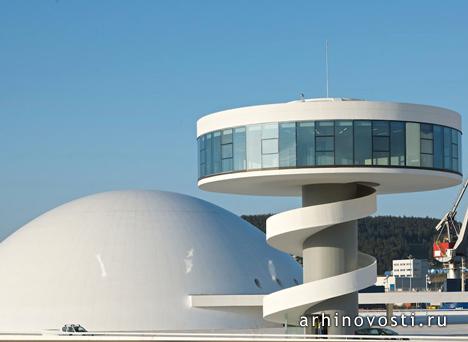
pixel 326 62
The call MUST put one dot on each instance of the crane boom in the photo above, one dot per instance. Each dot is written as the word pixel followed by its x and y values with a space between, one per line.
pixel 461 235
pixel 459 198
pixel 451 234
pixel 452 212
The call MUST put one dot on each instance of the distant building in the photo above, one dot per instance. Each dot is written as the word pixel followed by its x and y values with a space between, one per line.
pixel 388 282
pixel 410 274
pixel 414 268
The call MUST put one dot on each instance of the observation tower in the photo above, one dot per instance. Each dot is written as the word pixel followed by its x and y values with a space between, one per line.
pixel 338 154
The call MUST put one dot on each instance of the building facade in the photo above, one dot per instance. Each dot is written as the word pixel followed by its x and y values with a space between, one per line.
pixel 325 143
pixel 410 274
pixel 337 154
pixel 410 268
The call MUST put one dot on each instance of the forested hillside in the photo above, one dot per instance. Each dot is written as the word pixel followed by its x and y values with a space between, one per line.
pixel 386 237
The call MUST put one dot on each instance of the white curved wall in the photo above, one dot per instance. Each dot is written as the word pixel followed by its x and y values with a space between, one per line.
pixel 128 260
pixel 288 182
pixel 328 109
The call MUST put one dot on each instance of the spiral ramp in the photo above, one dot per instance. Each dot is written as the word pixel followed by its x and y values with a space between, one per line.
pixel 295 230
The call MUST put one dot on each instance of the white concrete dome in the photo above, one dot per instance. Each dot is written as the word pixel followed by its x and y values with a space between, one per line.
pixel 128 260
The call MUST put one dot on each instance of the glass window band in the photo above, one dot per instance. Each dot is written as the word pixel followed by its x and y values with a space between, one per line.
pixel 351 143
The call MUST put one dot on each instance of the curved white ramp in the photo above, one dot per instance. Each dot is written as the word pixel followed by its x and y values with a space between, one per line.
pixel 287 231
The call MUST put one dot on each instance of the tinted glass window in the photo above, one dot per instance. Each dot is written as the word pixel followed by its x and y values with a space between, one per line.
pixel 270 131
pixel 270 160
pixel 438 147
pixel 397 143
pixel 427 150
pixel 324 127
pixel 287 144
pixel 269 146
pixel 305 143
pixel 413 144
pixel 239 158
pixel 381 158
pixel 454 136
pixel 227 136
pixel 226 160
pixel 202 148
pixel 344 142
pixel 454 150
pixel 201 156
pixel 426 131
pixel 217 152
pixel 381 144
pixel 426 146
pixel 209 154
pixel 447 148
pixel 324 144
pixel 426 160
pixel 226 164
pixel 460 154
pixel 226 151
pixel 325 158
pixel 380 128
pixel 254 147
pixel 362 143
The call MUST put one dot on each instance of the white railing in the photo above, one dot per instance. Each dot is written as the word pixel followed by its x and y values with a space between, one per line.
pixel 190 336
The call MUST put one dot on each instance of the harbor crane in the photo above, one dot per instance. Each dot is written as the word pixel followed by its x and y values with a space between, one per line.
pixel 450 237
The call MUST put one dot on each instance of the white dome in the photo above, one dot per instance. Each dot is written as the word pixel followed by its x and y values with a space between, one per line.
pixel 128 260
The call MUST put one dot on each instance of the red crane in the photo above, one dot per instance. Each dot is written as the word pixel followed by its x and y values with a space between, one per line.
pixel 451 235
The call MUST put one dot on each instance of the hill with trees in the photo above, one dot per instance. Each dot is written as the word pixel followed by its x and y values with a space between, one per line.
pixel 385 237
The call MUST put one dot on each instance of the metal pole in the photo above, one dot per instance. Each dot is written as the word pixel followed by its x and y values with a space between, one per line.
pixel 462 274
pixel 326 62
pixel 389 312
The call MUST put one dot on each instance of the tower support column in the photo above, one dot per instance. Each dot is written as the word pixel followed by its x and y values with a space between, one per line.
pixel 331 252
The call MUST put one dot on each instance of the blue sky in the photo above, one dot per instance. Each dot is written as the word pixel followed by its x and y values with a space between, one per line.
pixel 103 95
